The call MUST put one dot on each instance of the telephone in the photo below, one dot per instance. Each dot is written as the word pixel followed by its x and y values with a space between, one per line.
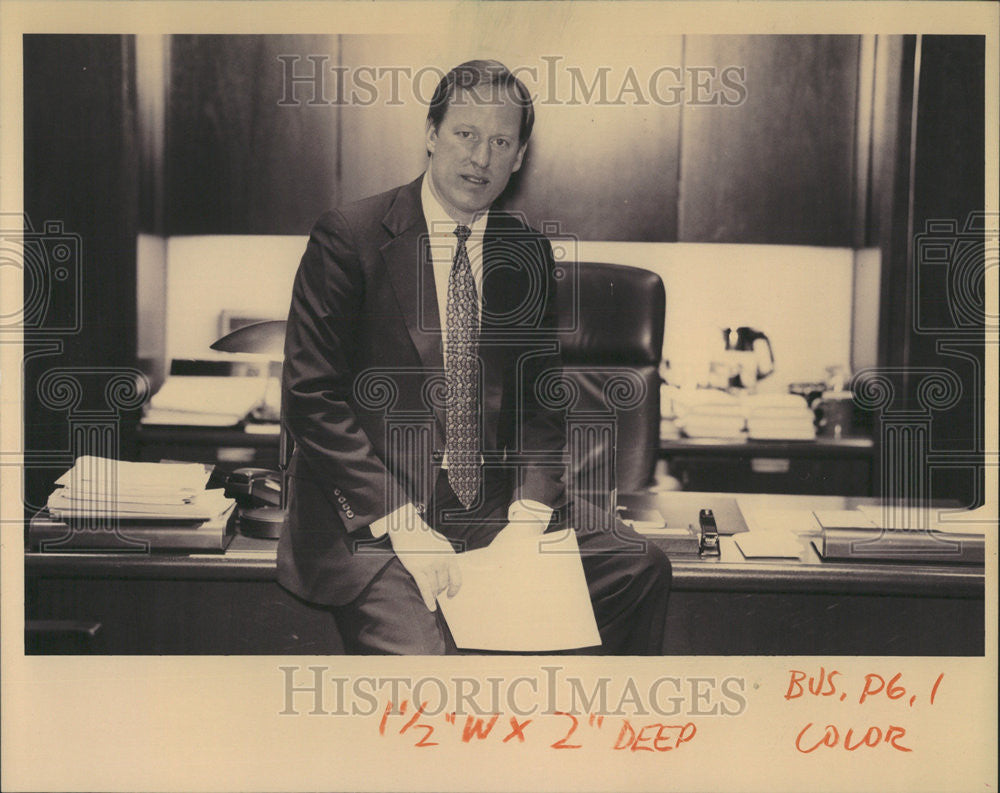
pixel 254 487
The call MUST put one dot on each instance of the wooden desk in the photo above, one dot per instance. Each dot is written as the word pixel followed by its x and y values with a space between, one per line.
pixel 230 604
pixel 735 606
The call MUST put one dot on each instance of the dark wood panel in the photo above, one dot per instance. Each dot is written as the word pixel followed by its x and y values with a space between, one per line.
pixel 949 257
pixel 238 160
pixel 382 121
pixel 80 199
pixel 778 168
pixel 932 301
pixel 602 162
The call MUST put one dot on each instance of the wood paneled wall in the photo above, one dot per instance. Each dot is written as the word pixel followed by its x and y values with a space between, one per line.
pixel 778 167
pixel 642 139
pixel 239 160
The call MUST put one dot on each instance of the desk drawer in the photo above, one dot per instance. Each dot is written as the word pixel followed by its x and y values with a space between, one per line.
pixel 768 474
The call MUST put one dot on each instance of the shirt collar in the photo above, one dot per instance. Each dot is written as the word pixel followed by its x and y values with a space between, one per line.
pixel 439 222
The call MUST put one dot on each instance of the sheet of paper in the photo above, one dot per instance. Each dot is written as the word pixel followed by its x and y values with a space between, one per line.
pixel 767 519
pixel 769 545
pixel 523 595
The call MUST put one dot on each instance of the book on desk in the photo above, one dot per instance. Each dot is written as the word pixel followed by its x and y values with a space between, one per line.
pixel 898 535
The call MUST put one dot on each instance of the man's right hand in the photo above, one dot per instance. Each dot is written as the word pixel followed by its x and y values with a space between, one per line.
pixel 427 556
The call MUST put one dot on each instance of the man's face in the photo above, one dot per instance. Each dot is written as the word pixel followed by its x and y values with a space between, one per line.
pixel 474 150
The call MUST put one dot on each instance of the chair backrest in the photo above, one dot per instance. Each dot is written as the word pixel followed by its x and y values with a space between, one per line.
pixel 613 316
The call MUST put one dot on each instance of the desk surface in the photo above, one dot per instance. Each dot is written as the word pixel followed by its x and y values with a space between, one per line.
pixel 251 559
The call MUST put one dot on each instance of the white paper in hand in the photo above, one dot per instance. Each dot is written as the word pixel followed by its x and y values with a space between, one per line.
pixel 523 595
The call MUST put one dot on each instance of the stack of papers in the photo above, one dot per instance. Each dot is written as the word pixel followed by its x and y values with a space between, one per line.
pixel 205 401
pixel 779 417
pixel 97 487
pixel 708 413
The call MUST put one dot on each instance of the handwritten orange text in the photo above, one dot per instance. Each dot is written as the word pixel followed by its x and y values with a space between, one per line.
pixel 807 740
pixel 856 691
pixel 557 729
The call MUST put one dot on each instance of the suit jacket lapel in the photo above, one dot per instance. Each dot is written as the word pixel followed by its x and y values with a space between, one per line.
pixel 407 258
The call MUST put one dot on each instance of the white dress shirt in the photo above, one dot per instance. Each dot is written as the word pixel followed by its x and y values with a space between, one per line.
pixel 443 242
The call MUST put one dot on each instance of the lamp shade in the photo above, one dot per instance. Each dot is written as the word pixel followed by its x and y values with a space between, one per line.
pixel 260 338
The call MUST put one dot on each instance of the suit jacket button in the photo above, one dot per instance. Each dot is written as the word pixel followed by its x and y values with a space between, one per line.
pixel 341 499
pixel 420 507
pixel 336 491
pixel 350 514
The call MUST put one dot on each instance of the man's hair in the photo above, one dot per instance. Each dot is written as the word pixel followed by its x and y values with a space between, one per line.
pixel 473 73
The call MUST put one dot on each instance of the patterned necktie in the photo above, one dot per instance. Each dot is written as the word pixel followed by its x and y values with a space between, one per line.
pixel 462 375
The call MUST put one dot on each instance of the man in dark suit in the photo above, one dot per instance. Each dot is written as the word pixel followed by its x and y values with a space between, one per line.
pixel 421 321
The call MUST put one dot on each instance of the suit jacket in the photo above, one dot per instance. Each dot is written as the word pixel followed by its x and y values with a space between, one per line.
pixel 363 382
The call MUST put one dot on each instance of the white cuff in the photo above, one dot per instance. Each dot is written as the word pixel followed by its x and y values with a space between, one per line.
pixel 404 516
pixel 525 510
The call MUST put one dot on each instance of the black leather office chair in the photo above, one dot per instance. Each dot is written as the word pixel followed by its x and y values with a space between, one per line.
pixel 613 316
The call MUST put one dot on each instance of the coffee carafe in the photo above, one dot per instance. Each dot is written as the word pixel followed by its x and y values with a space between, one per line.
pixel 746 358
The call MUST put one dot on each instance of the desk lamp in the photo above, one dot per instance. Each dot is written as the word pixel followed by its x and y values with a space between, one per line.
pixel 263 338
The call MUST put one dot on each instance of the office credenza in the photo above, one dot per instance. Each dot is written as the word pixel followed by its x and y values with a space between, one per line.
pixel 824 466
pixel 229 603
pixel 226 447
